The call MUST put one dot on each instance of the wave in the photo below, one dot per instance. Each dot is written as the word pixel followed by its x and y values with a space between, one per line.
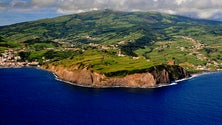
pixel 179 80
pixel 165 85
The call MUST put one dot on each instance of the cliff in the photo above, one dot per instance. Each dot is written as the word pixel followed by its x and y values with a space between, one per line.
pixel 152 77
pixel 165 74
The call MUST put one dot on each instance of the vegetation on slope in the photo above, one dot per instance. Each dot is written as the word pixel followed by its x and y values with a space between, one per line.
pixel 110 41
pixel 106 63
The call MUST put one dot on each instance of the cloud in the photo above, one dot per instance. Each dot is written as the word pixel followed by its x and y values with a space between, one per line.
pixel 43 3
pixel 207 9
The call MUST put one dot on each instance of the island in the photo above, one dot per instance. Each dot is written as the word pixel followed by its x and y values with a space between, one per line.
pixel 107 48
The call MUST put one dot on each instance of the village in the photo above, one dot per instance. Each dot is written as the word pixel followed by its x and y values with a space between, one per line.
pixel 10 59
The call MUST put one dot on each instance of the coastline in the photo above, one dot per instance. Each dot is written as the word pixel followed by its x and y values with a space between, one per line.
pixel 205 72
pixel 102 87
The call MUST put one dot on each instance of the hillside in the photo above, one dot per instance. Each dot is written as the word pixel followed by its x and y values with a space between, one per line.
pixel 110 41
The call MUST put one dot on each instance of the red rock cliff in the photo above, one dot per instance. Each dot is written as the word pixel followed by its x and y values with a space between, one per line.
pixel 85 77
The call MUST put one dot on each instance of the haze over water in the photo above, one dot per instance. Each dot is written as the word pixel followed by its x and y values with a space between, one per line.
pixel 31 96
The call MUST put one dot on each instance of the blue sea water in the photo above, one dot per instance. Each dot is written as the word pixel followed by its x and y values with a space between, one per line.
pixel 30 96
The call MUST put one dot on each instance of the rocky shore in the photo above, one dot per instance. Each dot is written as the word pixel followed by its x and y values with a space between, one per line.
pixel 152 77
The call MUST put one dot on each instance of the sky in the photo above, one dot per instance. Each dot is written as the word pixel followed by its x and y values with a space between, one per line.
pixel 15 11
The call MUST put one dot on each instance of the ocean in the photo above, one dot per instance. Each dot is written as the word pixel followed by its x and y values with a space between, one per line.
pixel 30 96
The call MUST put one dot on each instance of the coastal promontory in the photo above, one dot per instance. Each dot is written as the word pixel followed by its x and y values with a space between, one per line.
pixel 151 77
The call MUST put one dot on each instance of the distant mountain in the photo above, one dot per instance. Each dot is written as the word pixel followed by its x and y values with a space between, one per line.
pixel 111 27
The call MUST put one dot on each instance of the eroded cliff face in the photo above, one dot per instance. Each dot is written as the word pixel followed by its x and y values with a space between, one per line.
pixel 165 74
pixel 152 78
